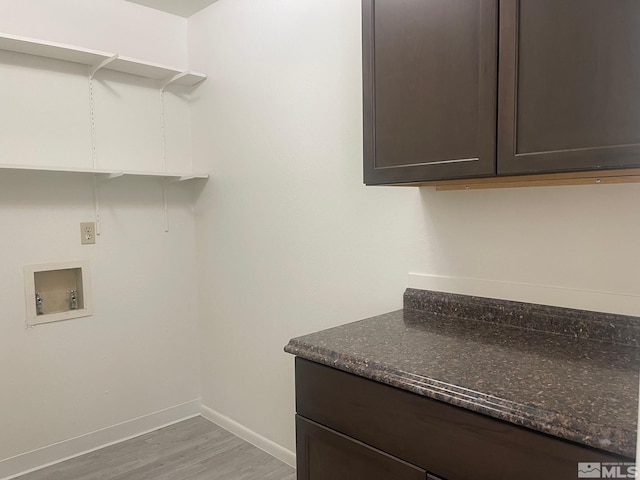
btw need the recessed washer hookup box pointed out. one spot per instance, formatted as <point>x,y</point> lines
<point>57,291</point>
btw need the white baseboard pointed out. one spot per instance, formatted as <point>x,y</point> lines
<point>624,304</point>
<point>272,448</point>
<point>74,447</point>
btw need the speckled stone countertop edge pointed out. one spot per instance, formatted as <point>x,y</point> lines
<point>596,326</point>
<point>551,423</point>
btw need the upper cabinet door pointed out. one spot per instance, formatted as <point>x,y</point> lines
<point>569,85</point>
<point>430,82</point>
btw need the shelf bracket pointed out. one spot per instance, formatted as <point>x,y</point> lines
<point>93,70</point>
<point>111,176</point>
<point>181,179</point>
<point>96,202</point>
<point>105,176</point>
<point>199,82</point>
<point>166,204</point>
<point>165,181</point>
<point>168,81</point>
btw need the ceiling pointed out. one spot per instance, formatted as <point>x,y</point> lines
<point>183,8</point>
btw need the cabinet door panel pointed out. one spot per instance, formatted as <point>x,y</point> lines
<point>569,96</point>
<point>452,442</point>
<point>430,76</point>
<point>327,455</point>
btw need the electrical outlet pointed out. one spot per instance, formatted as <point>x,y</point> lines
<point>88,233</point>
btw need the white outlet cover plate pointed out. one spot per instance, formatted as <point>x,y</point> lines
<point>87,233</point>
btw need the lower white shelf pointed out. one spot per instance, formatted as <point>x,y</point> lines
<point>176,176</point>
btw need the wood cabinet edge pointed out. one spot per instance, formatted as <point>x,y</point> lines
<point>603,177</point>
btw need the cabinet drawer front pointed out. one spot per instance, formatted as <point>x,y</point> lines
<point>327,455</point>
<point>451,442</point>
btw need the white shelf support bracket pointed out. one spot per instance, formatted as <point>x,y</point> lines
<point>99,178</point>
<point>199,81</point>
<point>96,202</point>
<point>168,81</point>
<point>111,176</point>
<point>166,204</point>
<point>184,178</point>
<point>103,177</point>
<point>93,70</point>
<point>92,119</point>
<point>163,138</point>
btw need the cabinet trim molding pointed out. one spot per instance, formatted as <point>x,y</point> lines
<point>602,177</point>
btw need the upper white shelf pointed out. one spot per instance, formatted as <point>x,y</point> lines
<point>93,58</point>
<point>107,173</point>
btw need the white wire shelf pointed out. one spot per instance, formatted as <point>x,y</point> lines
<point>107,173</point>
<point>94,58</point>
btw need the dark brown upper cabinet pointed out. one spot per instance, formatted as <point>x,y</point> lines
<point>569,85</point>
<point>565,97</point>
<point>430,82</point>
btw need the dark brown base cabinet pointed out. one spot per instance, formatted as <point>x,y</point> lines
<point>352,428</point>
<point>459,89</point>
<point>329,455</point>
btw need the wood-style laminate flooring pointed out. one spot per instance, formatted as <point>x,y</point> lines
<point>194,449</point>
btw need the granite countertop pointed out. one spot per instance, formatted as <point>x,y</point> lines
<point>567,373</point>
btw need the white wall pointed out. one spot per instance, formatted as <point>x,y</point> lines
<point>133,365</point>
<point>116,26</point>
<point>578,242</point>
<point>286,240</point>
<point>289,239</point>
